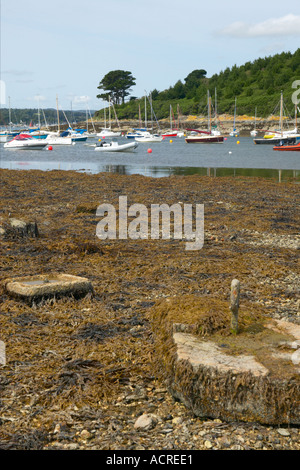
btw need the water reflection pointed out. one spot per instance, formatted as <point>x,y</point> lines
<point>154,171</point>
<point>280,175</point>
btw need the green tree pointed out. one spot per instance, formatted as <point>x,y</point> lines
<point>193,81</point>
<point>195,76</point>
<point>117,84</point>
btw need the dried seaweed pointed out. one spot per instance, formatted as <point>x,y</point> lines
<point>83,352</point>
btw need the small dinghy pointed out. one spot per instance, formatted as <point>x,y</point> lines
<point>115,146</point>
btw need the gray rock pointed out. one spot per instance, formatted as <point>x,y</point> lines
<point>145,422</point>
<point>283,432</point>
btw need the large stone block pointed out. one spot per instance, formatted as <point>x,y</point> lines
<point>41,287</point>
<point>252,376</point>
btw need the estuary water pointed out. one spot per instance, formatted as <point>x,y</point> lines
<point>235,156</point>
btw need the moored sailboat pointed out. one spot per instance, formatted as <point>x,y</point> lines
<point>205,137</point>
<point>234,132</point>
<point>254,132</point>
<point>280,137</point>
<point>58,138</point>
<point>107,131</point>
<point>171,132</point>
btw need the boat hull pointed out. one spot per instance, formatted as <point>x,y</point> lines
<point>26,145</point>
<point>291,140</point>
<point>291,148</point>
<point>211,139</point>
<point>79,139</point>
<point>170,134</point>
<point>115,147</point>
<point>148,139</point>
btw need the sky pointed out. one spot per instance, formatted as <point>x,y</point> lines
<point>64,48</point>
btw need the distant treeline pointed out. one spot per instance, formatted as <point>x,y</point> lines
<point>256,84</point>
<point>34,116</point>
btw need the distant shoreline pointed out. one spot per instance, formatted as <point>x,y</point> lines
<point>244,124</point>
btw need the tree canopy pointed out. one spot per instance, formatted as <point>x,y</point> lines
<point>116,84</point>
<point>256,85</point>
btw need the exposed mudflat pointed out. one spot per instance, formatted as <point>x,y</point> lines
<point>80,372</point>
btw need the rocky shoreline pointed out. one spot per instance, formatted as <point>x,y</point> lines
<point>244,124</point>
<point>80,373</point>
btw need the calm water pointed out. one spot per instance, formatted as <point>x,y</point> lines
<point>171,156</point>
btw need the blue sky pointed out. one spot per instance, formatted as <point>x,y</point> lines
<point>65,47</point>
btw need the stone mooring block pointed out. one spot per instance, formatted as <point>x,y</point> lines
<point>252,376</point>
<point>45,286</point>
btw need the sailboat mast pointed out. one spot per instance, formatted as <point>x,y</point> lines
<point>170,116</point>
<point>9,114</point>
<point>39,119</point>
<point>209,111</point>
<point>151,110</point>
<point>140,117</point>
<point>116,117</point>
<point>109,113</point>
<point>216,102</point>
<point>58,125</point>
<point>234,114</point>
<point>281,114</point>
<point>92,120</point>
<point>145,112</point>
<point>47,127</point>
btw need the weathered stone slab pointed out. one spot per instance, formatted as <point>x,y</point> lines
<point>251,375</point>
<point>237,387</point>
<point>38,287</point>
<point>207,354</point>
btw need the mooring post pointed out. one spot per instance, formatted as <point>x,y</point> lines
<point>234,304</point>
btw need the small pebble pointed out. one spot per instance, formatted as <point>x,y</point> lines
<point>283,432</point>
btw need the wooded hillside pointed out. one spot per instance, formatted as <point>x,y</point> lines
<point>256,84</point>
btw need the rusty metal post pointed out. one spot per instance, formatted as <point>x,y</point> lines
<point>234,304</point>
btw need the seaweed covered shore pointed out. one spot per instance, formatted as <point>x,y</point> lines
<point>81,373</point>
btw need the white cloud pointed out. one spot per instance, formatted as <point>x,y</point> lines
<point>39,98</point>
<point>16,72</point>
<point>288,25</point>
<point>81,99</point>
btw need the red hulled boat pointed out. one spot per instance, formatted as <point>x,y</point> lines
<point>292,147</point>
